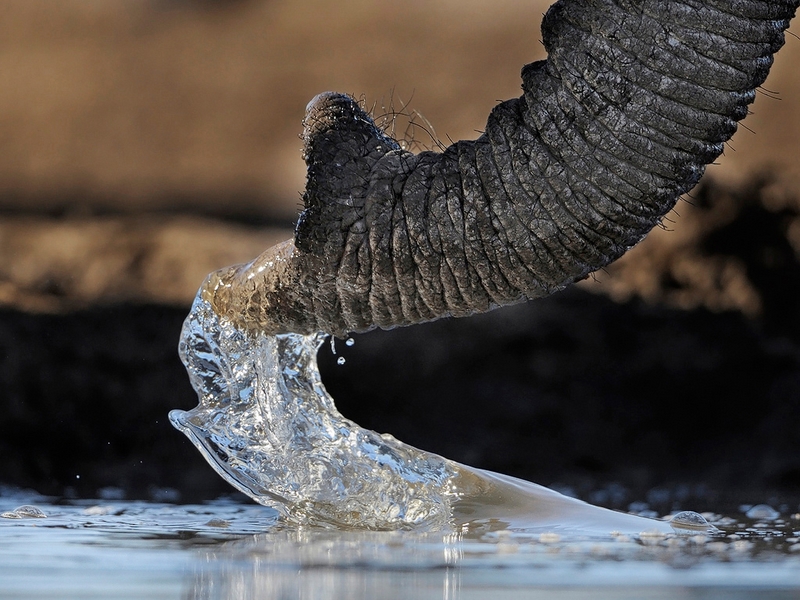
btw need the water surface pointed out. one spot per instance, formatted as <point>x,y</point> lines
<point>229,549</point>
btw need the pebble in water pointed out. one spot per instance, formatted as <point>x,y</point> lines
<point>100,510</point>
<point>762,511</point>
<point>652,537</point>
<point>221,523</point>
<point>24,512</point>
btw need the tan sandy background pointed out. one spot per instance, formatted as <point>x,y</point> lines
<point>109,108</point>
<point>187,102</point>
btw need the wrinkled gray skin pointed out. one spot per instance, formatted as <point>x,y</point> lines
<point>634,99</point>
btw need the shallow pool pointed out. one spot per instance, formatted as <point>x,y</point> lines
<point>228,549</point>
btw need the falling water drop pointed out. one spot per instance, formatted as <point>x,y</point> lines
<point>340,360</point>
<point>350,342</point>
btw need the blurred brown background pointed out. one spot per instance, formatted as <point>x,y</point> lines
<point>131,104</point>
<point>144,143</point>
<point>109,108</point>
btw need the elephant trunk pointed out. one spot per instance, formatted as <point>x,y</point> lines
<point>634,99</point>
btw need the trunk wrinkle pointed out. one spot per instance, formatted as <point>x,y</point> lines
<point>459,265</point>
<point>560,131</point>
<point>452,242</point>
<point>414,198</point>
<point>536,251</point>
<point>618,196</point>
<point>405,269</point>
<point>560,244</point>
<point>663,83</point>
<point>496,238</point>
<point>661,132</point>
<point>643,157</point>
<point>512,268</point>
<point>474,250</point>
<point>689,67</point>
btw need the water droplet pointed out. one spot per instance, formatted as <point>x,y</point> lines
<point>688,519</point>
<point>24,512</point>
<point>333,345</point>
<point>762,511</point>
<point>350,342</point>
<point>30,512</point>
<point>340,360</point>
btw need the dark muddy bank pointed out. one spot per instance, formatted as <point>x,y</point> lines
<point>576,390</point>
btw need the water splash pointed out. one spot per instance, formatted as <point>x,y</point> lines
<point>267,425</point>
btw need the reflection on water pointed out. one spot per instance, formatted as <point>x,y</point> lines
<point>224,549</point>
<point>402,565</point>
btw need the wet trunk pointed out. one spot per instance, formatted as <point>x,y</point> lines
<point>634,99</point>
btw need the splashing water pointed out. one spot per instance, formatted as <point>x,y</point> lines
<point>267,425</point>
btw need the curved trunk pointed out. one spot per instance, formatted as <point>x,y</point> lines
<point>634,99</point>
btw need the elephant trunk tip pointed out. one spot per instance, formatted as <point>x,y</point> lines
<point>332,112</point>
<point>322,110</point>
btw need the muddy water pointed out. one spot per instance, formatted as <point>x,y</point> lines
<point>227,549</point>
